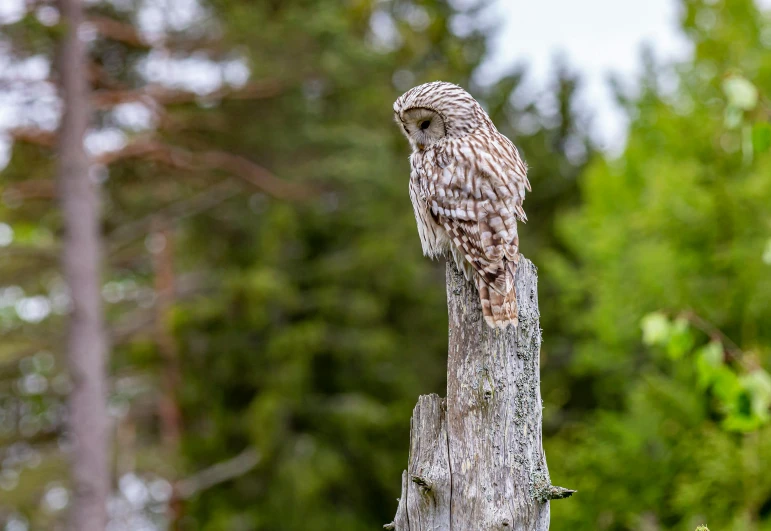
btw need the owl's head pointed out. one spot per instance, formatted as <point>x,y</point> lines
<point>434,111</point>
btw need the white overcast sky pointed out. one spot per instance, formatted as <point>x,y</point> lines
<point>596,37</point>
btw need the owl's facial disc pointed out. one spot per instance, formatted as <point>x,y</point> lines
<point>423,127</point>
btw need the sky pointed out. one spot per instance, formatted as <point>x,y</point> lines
<point>596,37</point>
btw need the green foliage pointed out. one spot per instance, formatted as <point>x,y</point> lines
<point>743,394</point>
<point>663,414</point>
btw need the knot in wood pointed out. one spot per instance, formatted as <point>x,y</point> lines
<point>422,482</point>
<point>487,390</point>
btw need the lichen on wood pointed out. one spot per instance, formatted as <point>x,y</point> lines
<point>476,458</point>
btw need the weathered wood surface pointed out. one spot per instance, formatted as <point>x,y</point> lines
<point>476,458</point>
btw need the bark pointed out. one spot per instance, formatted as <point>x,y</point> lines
<point>81,256</point>
<point>169,411</point>
<point>476,458</point>
<point>163,270</point>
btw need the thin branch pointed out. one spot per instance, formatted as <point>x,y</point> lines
<point>216,474</point>
<point>42,440</point>
<point>183,159</point>
<point>732,349</point>
<point>21,83</point>
<point>118,31</point>
<point>252,173</point>
<point>207,199</point>
<point>126,33</point>
<point>159,95</point>
<point>143,318</point>
<point>99,78</point>
<point>33,135</point>
<point>32,189</point>
<point>43,253</point>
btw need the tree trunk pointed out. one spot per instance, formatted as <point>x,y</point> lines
<point>168,406</point>
<point>86,344</point>
<point>476,458</point>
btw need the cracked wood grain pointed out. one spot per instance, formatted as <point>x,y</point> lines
<point>476,458</point>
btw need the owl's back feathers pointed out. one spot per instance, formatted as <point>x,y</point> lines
<point>467,191</point>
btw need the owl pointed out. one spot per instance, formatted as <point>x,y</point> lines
<point>467,184</point>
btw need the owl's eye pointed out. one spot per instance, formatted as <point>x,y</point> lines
<point>425,124</point>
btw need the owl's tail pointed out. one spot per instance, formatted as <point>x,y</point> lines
<point>499,310</point>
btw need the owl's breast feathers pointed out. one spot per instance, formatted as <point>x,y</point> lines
<point>433,238</point>
<point>467,194</point>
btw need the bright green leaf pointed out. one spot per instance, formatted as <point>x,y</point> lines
<point>741,92</point>
<point>727,388</point>
<point>681,339</point>
<point>758,385</point>
<point>656,329</point>
<point>708,359</point>
<point>741,423</point>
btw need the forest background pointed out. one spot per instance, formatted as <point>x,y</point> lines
<point>271,318</point>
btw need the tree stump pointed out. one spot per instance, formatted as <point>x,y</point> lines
<point>476,458</point>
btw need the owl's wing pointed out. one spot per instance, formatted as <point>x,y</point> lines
<point>476,192</point>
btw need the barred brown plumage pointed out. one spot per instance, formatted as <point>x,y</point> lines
<point>467,185</point>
